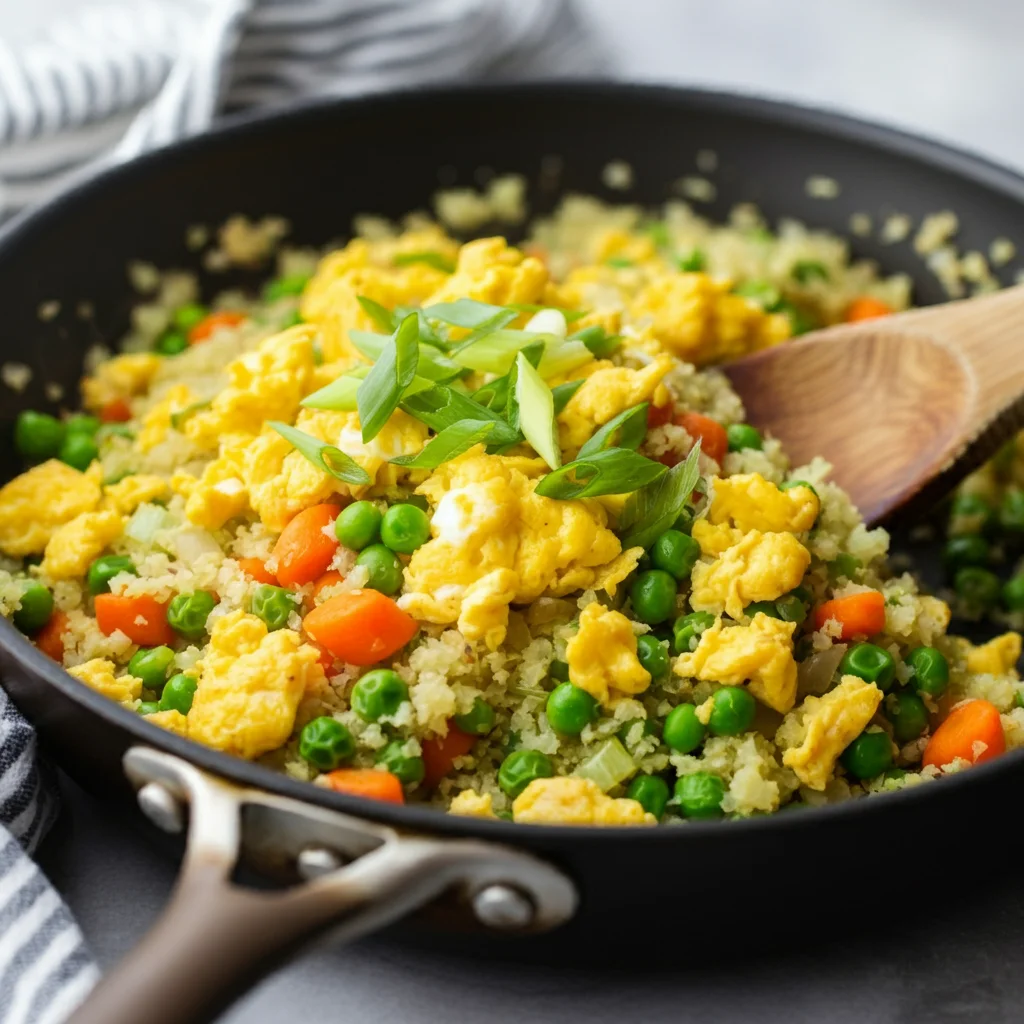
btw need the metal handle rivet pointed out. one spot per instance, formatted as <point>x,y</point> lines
<point>503,907</point>
<point>162,807</point>
<point>315,861</point>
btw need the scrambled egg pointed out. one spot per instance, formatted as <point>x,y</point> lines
<point>74,545</point>
<point>129,493</point>
<point>121,377</point>
<point>760,654</point>
<point>471,804</point>
<point>813,735</point>
<point>998,657</point>
<point>607,391</point>
<point>750,502</point>
<point>495,542</point>
<point>172,721</point>
<point>156,421</point>
<point>602,655</point>
<point>758,567</point>
<point>250,682</point>
<point>490,270</point>
<point>566,800</point>
<point>35,504</point>
<point>98,675</point>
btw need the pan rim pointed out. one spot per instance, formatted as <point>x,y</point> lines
<point>936,154</point>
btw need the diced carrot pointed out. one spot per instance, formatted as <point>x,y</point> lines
<point>367,782</point>
<point>866,308</point>
<point>326,659</point>
<point>972,731</point>
<point>360,627</point>
<point>439,752</point>
<point>860,614</point>
<point>142,618</point>
<point>116,410</point>
<point>212,323</point>
<point>254,568</point>
<point>329,579</point>
<point>304,551</point>
<point>711,433</point>
<point>50,638</point>
<point>659,415</point>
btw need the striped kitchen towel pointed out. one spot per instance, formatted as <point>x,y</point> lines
<point>122,78</point>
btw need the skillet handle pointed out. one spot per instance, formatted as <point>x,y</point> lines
<point>216,938</point>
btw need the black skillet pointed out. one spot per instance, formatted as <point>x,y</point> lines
<point>318,167</point>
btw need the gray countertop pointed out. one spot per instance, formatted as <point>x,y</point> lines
<point>943,67</point>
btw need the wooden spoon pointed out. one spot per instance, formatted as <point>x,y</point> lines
<point>904,406</point>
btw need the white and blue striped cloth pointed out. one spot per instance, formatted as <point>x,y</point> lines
<point>123,78</point>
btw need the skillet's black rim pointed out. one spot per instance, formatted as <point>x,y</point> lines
<point>937,155</point>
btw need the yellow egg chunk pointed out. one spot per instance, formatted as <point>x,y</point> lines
<point>567,800</point>
<point>129,493</point>
<point>602,655</point>
<point>98,675</point>
<point>488,518</point>
<point>760,567</point>
<point>471,804</point>
<point>606,392</point>
<point>697,318</point>
<point>490,270</point>
<point>34,505</point>
<point>172,721</point>
<point>74,545</point>
<point>760,655</point>
<point>250,683</point>
<point>121,377</point>
<point>156,422</point>
<point>219,494</point>
<point>815,733</point>
<point>750,502</point>
<point>998,657</point>
<point>715,540</point>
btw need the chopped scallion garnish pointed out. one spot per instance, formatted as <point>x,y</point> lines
<point>330,459</point>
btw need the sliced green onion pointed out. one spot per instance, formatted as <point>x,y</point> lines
<point>146,522</point>
<point>609,765</point>
<point>441,406</point>
<point>499,392</point>
<point>650,511</point>
<point>431,259</point>
<point>178,419</point>
<point>326,457</point>
<point>599,342</point>
<point>382,388</point>
<point>571,315</point>
<point>561,393</point>
<point>612,471</point>
<point>627,430</point>
<point>380,315</point>
<point>619,262</point>
<point>536,412</point>
<point>432,364</point>
<point>449,444</point>
<point>340,394</point>
<point>466,313</point>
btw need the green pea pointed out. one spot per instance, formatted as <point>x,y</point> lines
<point>687,630</point>
<point>675,553</point>
<point>326,743</point>
<point>793,607</point>
<point>35,607</point>
<point>104,569</point>
<point>653,655</point>
<point>929,671</point>
<point>732,711</point>
<point>1013,593</point>
<point>654,596</point>
<point>806,271</point>
<point>186,317</point>
<point>358,525</point>
<point>977,588</point>
<point>743,435</point>
<point>651,792</point>
<point>272,604</point>
<point>408,770</point>
<point>378,694</point>
<point>520,768</point>
<point>404,528</point>
<point>82,423</point>
<point>788,485</point>
<point>178,693</point>
<point>79,451</point>
<point>478,720</point>
<point>558,670</point>
<point>968,549</point>
<point>870,663</point>
<point>384,568</point>
<point>868,755</point>
<point>969,513</point>
<point>692,262</point>
<point>37,435</point>
<point>150,664</point>
<point>683,730</point>
<point>290,284</point>
<point>187,613</point>
<point>171,343</point>
<point>1018,699</point>
<point>907,713</point>
<point>571,709</point>
<point>843,566</point>
<point>762,608</point>
<point>700,795</point>
<point>149,707</point>
<point>1011,511</point>
<point>800,320</point>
